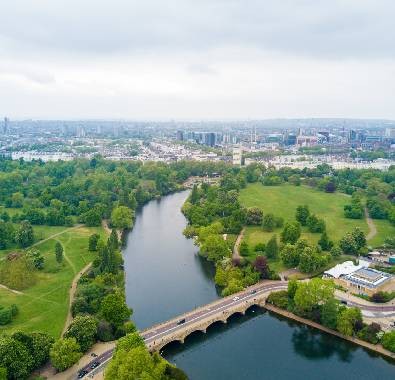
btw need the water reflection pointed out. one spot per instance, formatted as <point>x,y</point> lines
<point>313,344</point>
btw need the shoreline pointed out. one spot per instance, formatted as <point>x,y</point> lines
<point>379,349</point>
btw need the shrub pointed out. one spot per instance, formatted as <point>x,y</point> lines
<point>279,299</point>
<point>370,333</point>
<point>64,353</point>
<point>388,341</point>
<point>84,330</point>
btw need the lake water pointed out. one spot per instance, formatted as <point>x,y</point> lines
<point>165,277</point>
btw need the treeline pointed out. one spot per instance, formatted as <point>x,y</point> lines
<point>84,191</point>
<point>315,300</point>
<point>375,187</point>
<point>214,212</point>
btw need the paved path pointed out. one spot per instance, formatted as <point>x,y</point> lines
<point>236,248</point>
<point>372,227</point>
<point>10,290</point>
<point>73,289</point>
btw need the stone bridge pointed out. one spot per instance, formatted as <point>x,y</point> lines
<point>177,329</point>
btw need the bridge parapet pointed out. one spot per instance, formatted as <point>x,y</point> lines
<point>200,320</point>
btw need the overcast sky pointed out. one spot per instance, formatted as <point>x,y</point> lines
<point>197,59</point>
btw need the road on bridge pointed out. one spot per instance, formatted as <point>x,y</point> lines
<point>153,334</point>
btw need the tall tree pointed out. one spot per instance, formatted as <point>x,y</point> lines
<point>59,252</point>
<point>271,249</point>
<point>291,232</point>
<point>261,266</point>
<point>24,235</point>
<point>302,213</point>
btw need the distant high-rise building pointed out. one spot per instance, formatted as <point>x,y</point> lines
<point>180,135</point>
<point>81,132</point>
<point>237,155</point>
<point>290,139</point>
<point>390,133</point>
<point>325,135</point>
<point>6,126</point>
<point>352,136</point>
<point>210,138</point>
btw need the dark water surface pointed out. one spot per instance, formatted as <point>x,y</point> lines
<point>166,277</point>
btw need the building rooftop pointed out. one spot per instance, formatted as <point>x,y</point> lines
<point>368,277</point>
<point>345,268</point>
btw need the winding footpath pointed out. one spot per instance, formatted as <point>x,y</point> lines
<point>73,289</point>
<point>372,227</point>
<point>236,249</point>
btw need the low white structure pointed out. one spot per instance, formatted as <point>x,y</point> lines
<point>344,269</point>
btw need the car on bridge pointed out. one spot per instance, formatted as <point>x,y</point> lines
<point>181,321</point>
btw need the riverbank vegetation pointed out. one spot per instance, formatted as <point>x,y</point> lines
<point>291,218</point>
<point>42,249</point>
<point>132,360</point>
<point>315,300</point>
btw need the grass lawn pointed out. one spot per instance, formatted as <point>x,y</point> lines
<point>44,306</point>
<point>283,200</point>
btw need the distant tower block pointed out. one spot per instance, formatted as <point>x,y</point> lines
<point>237,155</point>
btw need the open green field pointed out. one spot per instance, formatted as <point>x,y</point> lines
<point>44,306</point>
<point>283,200</point>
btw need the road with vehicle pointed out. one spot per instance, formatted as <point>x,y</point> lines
<point>182,322</point>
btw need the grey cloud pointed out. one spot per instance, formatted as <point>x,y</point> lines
<point>38,76</point>
<point>321,28</point>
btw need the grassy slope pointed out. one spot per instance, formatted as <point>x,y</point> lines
<point>283,200</point>
<point>44,306</point>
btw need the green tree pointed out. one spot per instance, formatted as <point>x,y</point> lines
<point>64,353</point>
<point>336,251</point>
<point>348,319</point>
<point>24,235</point>
<point>388,341</point>
<point>330,310</point>
<point>122,217</point>
<point>315,224</point>
<point>271,249</point>
<point>37,344</point>
<point>348,245</point>
<point>84,329</point>
<point>289,255</point>
<point>243,249</point>
<point>359,238</point>
<point>17,200</point>
<point>35,257</point>
<point>194,198</point>
<point>214,248</point>
<point>114,309</point>
<point>15,358</point>
<point>302,213</point>
<point>136,363</point>
<point>292,287</point>
<point>113,242</point>
<point>59,252</point>
<point>92,218</point>
<point>269,222</point>
<point>129,342</point>
<point>254,216</point>
<point>311,294</point>
<point>93,240</point>
<point>324,242</point>
<point>3,373</point>
<point>291,232</point>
